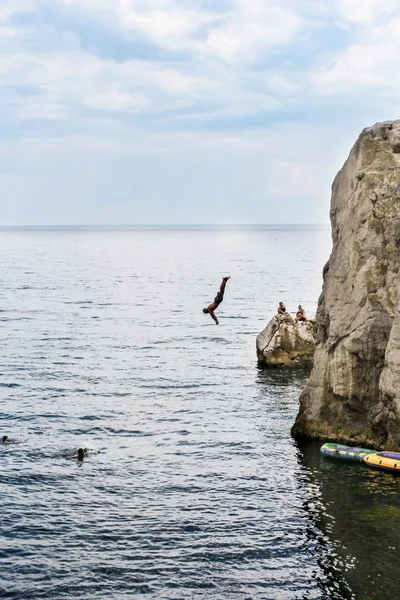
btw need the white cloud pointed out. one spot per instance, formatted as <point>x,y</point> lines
<point>253,26</point>
<point>71,79</point>
<point>170,79</point>
<point>167,28</point>
<point>4,13</point>
<point>369,63</point>
<point>114,99</point>
<point>366,11</point>
<point>360,66</point>
<point>75,79</point>
<point>175,83</point>
<point>165,23</point>
<point>236,31</point>
<point>43,111</point>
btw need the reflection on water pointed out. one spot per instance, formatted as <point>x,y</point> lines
<point>358,511</point>
<point>282,387</point>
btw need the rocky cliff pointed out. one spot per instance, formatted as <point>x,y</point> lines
<point>354,390</point>
<point>284,343</point>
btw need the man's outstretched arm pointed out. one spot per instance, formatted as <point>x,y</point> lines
<point>211,312</point>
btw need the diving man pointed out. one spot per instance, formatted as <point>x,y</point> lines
<point>217,301</point>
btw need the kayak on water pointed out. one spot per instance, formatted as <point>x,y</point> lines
<point>345,452</point>
<point>386,461</point>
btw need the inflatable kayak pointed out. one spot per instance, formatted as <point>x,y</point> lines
<point>345,452</point>
<point>387,461</point>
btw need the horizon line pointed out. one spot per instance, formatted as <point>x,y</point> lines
<point>143,225</point>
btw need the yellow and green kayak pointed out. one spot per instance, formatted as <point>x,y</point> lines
<point>345,452</point>
<point>386,461</point>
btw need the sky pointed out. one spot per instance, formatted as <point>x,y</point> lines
<point>184,111</point>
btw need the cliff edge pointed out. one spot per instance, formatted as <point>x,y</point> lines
<point>353,393</point>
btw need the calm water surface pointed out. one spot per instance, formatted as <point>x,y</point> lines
<point>198,491</point>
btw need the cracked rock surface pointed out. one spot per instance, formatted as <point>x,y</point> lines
<point>285,343</point>
<point>353,394</point>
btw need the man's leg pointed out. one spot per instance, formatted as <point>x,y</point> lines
<point>223,284</point>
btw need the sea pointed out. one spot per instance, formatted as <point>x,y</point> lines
<point>193,487</point>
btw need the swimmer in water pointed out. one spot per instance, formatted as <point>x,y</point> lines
<point>81,454</point>
<point>5,439</point>
<point>217,301</point>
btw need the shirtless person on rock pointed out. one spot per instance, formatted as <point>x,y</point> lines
<point>217,301</point>
<point>301,314</point>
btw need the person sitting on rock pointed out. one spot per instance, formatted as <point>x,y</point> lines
<point>301,315</point>
<point>281,309</point>
<point>217,301</point>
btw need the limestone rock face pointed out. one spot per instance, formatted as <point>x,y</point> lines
<point>354,390</point>
<point>285,343</point>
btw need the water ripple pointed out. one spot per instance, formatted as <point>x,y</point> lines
<point>192,487</point>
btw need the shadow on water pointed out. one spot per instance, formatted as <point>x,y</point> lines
<point>352,512</point>
<point>357,511</point>
<point>282,387</point>
<point>281,377</point>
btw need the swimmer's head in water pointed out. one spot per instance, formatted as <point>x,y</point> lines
<point>205,311</point>
<point>5,438</point>
<point>81,453</point>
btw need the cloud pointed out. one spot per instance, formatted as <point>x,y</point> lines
<point>166,23</point>
<point>362,65</point>
<point>253,27</point>
<point>114,99</point>
<point>168,27</point>
<point>366,11</point>
<point>369,63</point>
<point>70,78</point>
<point>160,94</point>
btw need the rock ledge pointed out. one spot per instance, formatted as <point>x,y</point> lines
<point>285,343</point>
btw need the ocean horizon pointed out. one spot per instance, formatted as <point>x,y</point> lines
<point>150,226</point>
